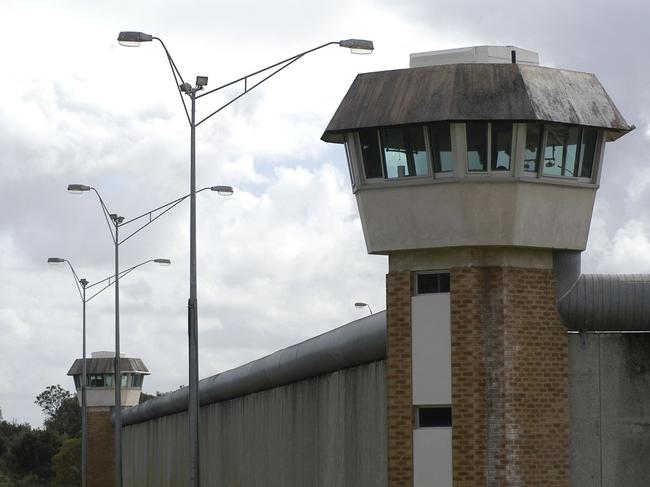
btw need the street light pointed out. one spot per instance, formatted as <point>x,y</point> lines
<point>363,305</point>
<point>115,222</point>
<point>82,286</point>
<point>133,39</point>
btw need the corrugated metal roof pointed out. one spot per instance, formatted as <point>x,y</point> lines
<point>458,92</point>
<point>105,366</point>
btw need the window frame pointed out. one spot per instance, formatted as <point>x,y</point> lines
<point>382,154</point>
<point>595,163</point>
<point>419,407</point>
<point>488,162</point>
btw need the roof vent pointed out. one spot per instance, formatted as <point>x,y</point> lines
<point>476,54</point>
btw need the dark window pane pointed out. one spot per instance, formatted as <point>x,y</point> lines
<point>432,282</point>
<point>440,136</point>
<point>404,152</point>
<point>434,417</point>
<point>476,133</point>
<point>587,151</point>
<point>77,382</point>
<point>349,158</point>
<point>370,153</point>
<point>560,152</point>
<point>501,146</point>
<point>533,142</point>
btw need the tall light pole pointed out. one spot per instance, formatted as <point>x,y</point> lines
<point>134,39</point>
<point>82,285</point>
<point>115,222</point>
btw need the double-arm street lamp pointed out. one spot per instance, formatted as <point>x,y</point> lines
<point>134,39</point>
<point>115,222</point>
<point>83,285</point>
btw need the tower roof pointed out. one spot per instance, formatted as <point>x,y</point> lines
<point>459,92</point>
<point>104,365</point>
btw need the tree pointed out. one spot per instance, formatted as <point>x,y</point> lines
<point>66,464</point>
<point>67,418</point>
<point>62,410</point>
<point>32,452</point>
<point>51,399</point>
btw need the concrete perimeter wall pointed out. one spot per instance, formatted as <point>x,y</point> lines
<point>327,431</point>
<point>610,410</point>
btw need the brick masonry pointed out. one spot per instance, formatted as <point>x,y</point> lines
<point>101,441</point>
<point>509,379</point>
<point>398,379</point>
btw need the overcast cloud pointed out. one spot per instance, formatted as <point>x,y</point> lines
<point>284,258</point>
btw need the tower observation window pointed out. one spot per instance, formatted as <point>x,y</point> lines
<point>370,153</point>
<point>569,151</point>
<point>440,137</point>
<point>404,152</point>
<point>477,143</point>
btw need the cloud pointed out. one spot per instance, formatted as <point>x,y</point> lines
<point>283,259</point>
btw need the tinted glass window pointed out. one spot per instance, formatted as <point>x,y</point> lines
<point>125,380</point>
<point>404,152</point>
<point>440,136</point>
<point>432,282</point>
<point>434,417</point>
<point>561,151</point>
<point>501,146</point>
<point>370,153</point>
<point>533,143</point>
<point>349,157</point>
<point>476,133</point>
<point>108,380</point>
<point>587,152</point>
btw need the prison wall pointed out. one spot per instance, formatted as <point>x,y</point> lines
<point>328,431</point>
<point>610,412</point>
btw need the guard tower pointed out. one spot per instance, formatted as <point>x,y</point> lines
<point>100,400</point>
<point>469,169</point>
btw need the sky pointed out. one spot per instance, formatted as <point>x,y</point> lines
<point>283,259</point>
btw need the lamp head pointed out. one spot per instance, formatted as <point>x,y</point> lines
<point>201,81</point>
<point>360,305</point>
<point>222,190</point>
<point>55,260</point>
<point>78,188</point>
<point>163,261</point>
<point>133,39</point>
<point>185,87</point>
<point>358,46</point>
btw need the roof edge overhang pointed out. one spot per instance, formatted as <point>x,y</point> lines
<point>467,92</point>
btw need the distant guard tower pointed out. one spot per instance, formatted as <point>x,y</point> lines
<point>470,169</point>
<point>100,399</point>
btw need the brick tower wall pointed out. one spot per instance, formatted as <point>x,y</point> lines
<point>509,379</point>
<point>398,379</point>
<point>101,441</point>
<point>509,355</point>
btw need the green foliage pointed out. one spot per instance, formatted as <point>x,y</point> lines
<point>67,464</point>
<point>32,452</point>
<point>145,397</point>
<point>51,399</point>
<point>34,457</point>
<point>66,420</point>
